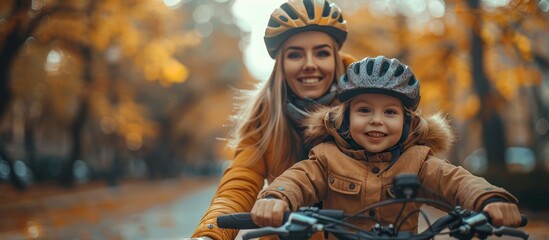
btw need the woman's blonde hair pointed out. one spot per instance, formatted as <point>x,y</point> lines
<point>261,120</point>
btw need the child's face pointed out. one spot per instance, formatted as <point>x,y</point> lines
<point>309,63</point>
<point>376,121</point>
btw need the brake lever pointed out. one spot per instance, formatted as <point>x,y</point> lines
<point>264,231</point>
<point>507,231</point>
<point>481,225</point>
<point>301,223</point>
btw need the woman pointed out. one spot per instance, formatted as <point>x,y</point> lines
<point>304,38</point>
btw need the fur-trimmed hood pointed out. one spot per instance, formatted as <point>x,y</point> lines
<point>433,131</point>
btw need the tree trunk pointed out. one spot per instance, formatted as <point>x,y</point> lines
<point>540,139</point>
<point>77,127</point>
<point>493,135</point>
<point>12,43</point>
<point>30,145</point>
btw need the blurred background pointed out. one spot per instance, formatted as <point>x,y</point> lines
<point>135,95</point>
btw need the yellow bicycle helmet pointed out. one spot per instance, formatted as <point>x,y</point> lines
<point>297,16</point>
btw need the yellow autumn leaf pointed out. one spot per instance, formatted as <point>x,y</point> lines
<point>174,72</point>
<point>469,108</point>
<point>151,72</point>
<point>528,76</point>
<point>462,74</point>
<point>523,45</point>
<point>506,83</point>
<point>134,141</point>
<point>130,41</point>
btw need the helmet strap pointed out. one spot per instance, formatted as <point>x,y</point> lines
<point>406,127</point>
<point>344,131</point>
<point>398,148</point>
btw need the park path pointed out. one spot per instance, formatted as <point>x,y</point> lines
<point>167,209</point>
<point>143,209</point>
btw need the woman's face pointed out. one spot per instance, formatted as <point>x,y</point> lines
<point>376,121</point>
<point>309,63</point>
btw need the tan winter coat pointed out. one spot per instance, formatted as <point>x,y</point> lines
<point>349,180</point>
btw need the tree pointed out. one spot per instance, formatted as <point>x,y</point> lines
<point>87,29</point>
<point>472,59</point>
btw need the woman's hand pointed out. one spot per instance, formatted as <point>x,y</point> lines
<point>503,214</point>
<point>269,212</point>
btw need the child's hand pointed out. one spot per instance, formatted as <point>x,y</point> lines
<point>269,212</point>
<point>503,214</point>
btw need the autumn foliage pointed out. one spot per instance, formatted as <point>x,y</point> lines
<point>120,84</point>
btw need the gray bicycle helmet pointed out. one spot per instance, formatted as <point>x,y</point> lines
<point>296,16</point>
<point>380,75</point>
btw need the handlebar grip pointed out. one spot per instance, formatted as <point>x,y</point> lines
<point>242,220</point>
<point>236,221</point>
<point>523,219</point>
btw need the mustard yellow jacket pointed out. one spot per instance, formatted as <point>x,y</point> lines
<point>237,192</point>
<point>240,184</point>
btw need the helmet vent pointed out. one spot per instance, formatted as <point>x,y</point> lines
<point>284,19</point>
<point>334,15</point>
<point>326,9</point>
<point>399,71</point>
<point>273,23</point>
<point>356,68</point>
<point>310,9</point>
<point>370,67</point>
<point>340,18</point>
<point>384,68</point>
<point>412,81</point>
<point>288,9</point>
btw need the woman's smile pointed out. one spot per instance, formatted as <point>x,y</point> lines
<point>309,80</point>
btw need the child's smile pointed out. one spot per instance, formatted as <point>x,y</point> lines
<point>376,121</point>
<point>376,134</point>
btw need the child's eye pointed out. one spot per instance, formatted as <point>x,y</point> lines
<point>391,112</point>
<point>364,110</point>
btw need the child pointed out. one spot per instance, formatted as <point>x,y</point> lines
<point>372,136</point>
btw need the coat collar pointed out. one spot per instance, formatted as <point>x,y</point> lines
<point>364,155</point>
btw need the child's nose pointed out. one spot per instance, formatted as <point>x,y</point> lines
<point>376,119</point>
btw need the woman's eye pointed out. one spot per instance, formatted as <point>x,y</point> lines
<point>323,53</point>
<point>293,55</point>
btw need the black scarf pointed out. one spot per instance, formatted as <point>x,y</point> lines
<point>298,109</point>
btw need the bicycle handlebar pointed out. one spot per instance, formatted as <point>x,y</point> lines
<point>243,220</point>
<point>238,221</point>
<point>462,223</point>
<point>307,221</point>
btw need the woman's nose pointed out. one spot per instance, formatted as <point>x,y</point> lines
<point>310,64</point>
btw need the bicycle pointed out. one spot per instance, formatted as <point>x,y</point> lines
<point>461,223</point>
